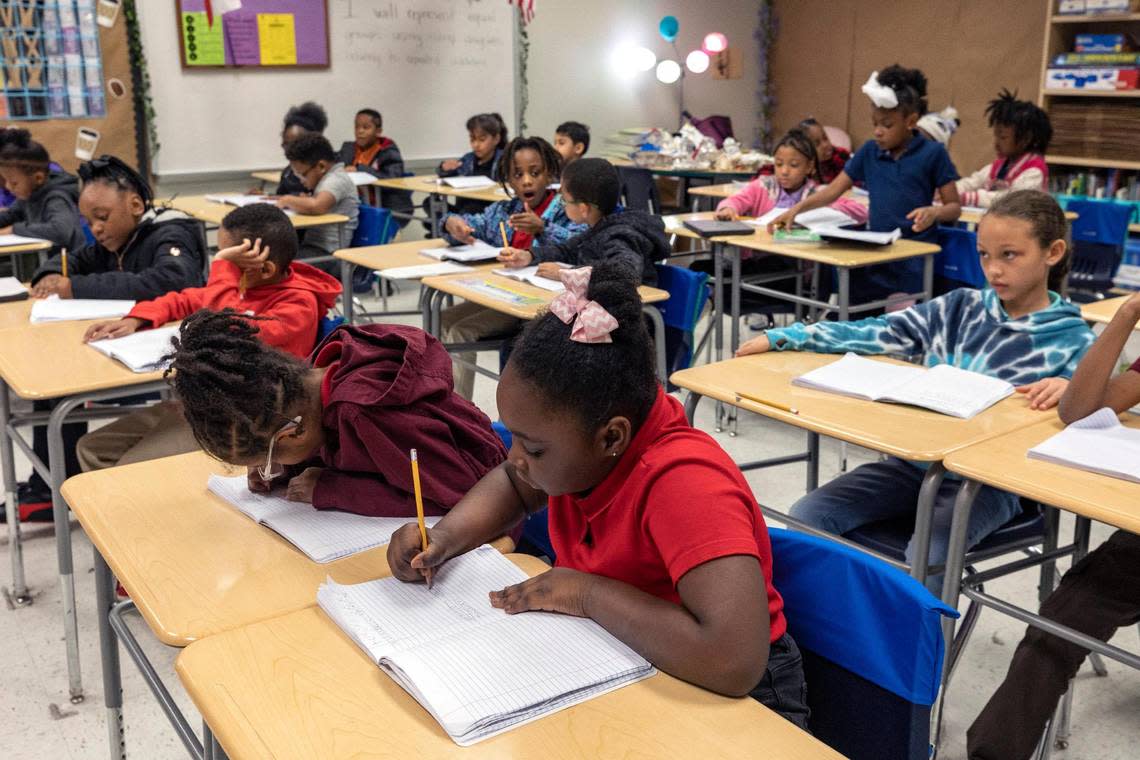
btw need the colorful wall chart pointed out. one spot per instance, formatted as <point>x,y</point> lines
<point>259,33</point>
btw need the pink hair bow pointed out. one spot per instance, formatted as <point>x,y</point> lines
<point>592,323</point>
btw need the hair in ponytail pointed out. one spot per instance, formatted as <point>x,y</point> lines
<point>1047,222</point>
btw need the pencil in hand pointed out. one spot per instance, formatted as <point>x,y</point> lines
<point>420,509</point>
<point>503,232</point>
<point>63,258</point>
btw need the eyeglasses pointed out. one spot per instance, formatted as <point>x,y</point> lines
<point>268,471</point>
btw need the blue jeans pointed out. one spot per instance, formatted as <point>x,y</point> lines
<point>889,489</point>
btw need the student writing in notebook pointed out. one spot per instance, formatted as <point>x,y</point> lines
<point>1018,329</point>
<point>331,190</point>
<point>1100,594</point>
<point>598,443</point>
<point>45,200</point>
<point>253,273</point>
<point>534,217</point>
<point>590,193</point>
<point>334,431</point>
<point>487,134</point>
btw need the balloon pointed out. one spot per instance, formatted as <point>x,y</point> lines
<point>715,42</point>
<point>668,71</point>
<point>669,27</point>
<point>697,61</point>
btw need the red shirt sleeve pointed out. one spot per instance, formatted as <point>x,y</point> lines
<point>291,323</point>
<point>695,513</point>
<point>1135,366</point>
<point>177,304</point>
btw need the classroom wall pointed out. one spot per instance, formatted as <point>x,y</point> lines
<point>571,76</point>
<point>968,49</point>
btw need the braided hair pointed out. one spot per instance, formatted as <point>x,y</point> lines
<point>1030,124</point>
<point>492,124</point>
<point>20,150</point>
<point>233,387</point>
<point>112,171</point>
<point>909,86</point>
<point>797,139</point>
<point>551,158</point>
<point>594,381</point>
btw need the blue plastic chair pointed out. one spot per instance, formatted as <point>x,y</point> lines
<point>374,226</point>
<point>326,326</point>
<point>1098,234</point>
<point>88,235</point>
<point>535,538</point>
<point>871,639</point>
<point>688,293</point>
<point>957,265</point>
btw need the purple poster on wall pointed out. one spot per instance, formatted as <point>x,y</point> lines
<point>260,33</point>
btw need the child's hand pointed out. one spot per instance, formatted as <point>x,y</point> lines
<point>783,222</point>
<point>301,487</point>
<point>1044,394</point>
<point>727,214</point>
<point>758,345</point>
<point>247,255</point>
<point>1130,309</point>
<point>459,229</point>
<point>516,258</point>
<point>450,165</point>
<point>408,561</point>
<point>112,329</point>
<point>283,201</point>
<point>52,284</point>
<point>528,222</point>
<point>6,230</point>
<point>256,483</point>
<point>550,271</point>
<point>557,590</point>
<point>923,218</point>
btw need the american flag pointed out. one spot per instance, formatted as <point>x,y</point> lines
<point>526,8</point>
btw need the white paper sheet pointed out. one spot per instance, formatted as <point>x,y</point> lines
<point>56,309</point>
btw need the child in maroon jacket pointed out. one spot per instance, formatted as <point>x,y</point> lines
<point>340,427</point>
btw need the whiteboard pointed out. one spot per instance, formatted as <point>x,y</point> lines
<point>426,65</point>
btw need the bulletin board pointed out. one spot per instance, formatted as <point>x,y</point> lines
<point>261,33</point>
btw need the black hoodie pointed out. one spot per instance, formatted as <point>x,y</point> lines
<point>164,253</point>
<point>386,164</point>
<point>49,213</point>
<point>634,239</point>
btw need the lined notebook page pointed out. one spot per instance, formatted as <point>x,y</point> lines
<point>141,351</point>
<point>477,251</point>
<point>322,535</point>
<point>856,376</point>
<point>950,390</point>
<point>1098,443</point>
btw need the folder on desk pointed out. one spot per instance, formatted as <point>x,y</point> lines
<point>1098,443</point>
<point>142,351</point>
<point>477,251</point>
<point>56,309</point>
<point>712,228</point>
<point>476,669</point>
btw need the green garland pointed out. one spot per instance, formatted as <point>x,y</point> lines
<point>524,56</point>
<point>140,81</point>
<point>767,26</point>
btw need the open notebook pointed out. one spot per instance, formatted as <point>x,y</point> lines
<point>530,275</point>
<point>477,251</point>
<point>477,670</point>
<point>237,199</point>
<point>943,389</point>
<point>825,217</point>
<point>469,183</point>
<point>141,351</point>
<point>419,271</point>
<point>1098,443</point>
<point>323,535</point>
<point>56,309</point>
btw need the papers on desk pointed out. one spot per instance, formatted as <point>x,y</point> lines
<point>10,240</point>
<point>56,309</point>
<point>973,210</point>
<point>499,291</point>
<point>943,389</point>
<point>477,251</point>
<point>323,535</point>
<point>12,289</point>
<point>420,271</point>
<point>361,178</point>
<point>477,670</point>
<point>141,351</point>
<point>237,199</point>
<point>815,219</point>
<point>1098,443</point>
<point>530,275</point>
<point>469,183</point>
<point>864,237</point>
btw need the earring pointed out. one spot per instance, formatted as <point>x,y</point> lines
<point>614,454</point>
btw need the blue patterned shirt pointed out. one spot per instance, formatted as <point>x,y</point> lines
<point>558,227</point>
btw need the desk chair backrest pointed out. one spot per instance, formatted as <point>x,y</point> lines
<point>1099,233</point>
<point>374,226</point>
<point>957,264</point>
<point>326,326</point>
<point>535,538</point>
<point>688,294</point>
<point>872,644</point>
<point>639,189</point>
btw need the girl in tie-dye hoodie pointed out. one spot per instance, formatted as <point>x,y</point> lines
<point>1018,329</point>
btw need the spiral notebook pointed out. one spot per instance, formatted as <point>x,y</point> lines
<point>1098,443</point>
<point>477,670</point>
<point>323,535</point>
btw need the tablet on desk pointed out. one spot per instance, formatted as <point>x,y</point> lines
<point>713,228</point>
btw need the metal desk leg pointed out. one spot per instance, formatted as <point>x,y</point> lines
<point>813,461</point>
<point>658,321</point>
<point>57,465</point>
<point>735,300</point>
<point>718,298</point>
<point>435,201</point>
<point>923,519</point>
<point>928,278</point>
<point>109,657</point>
<point>955,560</point>
<point>20,593</point>
<point>844,294</point>
<point>691,402</point>
<point>346,270</point>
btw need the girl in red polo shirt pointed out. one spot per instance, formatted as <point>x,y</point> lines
<point>657,535</point>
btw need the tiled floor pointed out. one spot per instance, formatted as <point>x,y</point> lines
<point>37,721</point>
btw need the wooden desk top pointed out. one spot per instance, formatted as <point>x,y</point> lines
<point>903,431</point>
<point>454,284</point>
<point>39,245</point>
<point>194,565</point>
<point>1103,311</point>
<point>296,686</point>
<point>716,191</point>
<point>212,213</point>
<point>267,176</point>
<point>699,173</point>
<point>1002,462</point>
<point>430,183</point>
<point>16,314</point>
<point>835,254</point>
<point>49,360</point>
<point>405,254</point>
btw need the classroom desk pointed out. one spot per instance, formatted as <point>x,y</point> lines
<point>34,247</point>
<point>296,686</point>
<point>1103,311</point>
<point>907,432</point>
<point>15,313</point>
<point>212,213</point>
<point>437,191</point>
<point>194,566</point>
<point>532,301</point>
<point>272,177</point>
<point>73,376</point>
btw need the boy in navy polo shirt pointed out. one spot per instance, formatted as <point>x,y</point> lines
<point>901,170</point>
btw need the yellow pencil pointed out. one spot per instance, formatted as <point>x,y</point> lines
<point>765,402</point>
<point>419,501</point>
<point>503,232</point>
<point>64,263</point>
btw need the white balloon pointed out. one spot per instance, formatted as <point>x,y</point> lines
<point>668,71</point>
<point>643,58</point>
<point>697,61</point>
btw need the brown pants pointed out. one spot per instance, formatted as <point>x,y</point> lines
<point>150,433</point>
<point>1098,595</point>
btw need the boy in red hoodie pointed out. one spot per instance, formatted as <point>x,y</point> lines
<point>253,273</point>
<point>335,432</point>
